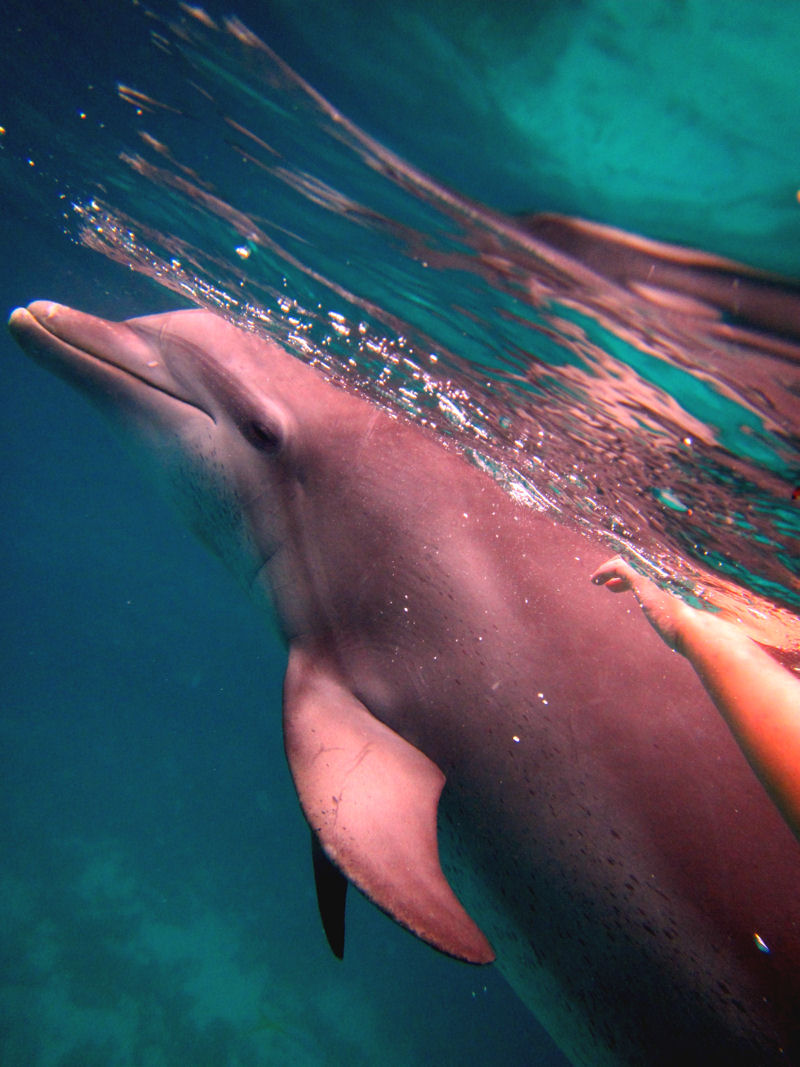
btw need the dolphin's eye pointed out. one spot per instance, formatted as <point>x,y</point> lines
<point>265,437</point>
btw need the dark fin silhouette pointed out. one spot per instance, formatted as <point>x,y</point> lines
<point>331,896</point>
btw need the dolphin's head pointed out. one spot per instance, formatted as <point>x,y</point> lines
<point>210,408</point>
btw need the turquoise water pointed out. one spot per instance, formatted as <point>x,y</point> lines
<point>370,189</point>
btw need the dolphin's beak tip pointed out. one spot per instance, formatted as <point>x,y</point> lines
<point>40,310</point>
<point>17,317</point>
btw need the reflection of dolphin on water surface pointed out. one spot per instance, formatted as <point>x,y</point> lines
<point>603,833</point>
<point>690,282</point>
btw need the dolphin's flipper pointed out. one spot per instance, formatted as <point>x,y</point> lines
<point>331,896</point>
<point>371,799</point>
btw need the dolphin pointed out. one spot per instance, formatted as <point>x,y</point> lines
<point>499,755</point>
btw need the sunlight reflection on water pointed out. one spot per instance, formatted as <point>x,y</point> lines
<point>645,391</point>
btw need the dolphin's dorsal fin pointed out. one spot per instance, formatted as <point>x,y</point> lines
<point>371,798</point>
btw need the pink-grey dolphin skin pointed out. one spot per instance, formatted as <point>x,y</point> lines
<point>601,832</point>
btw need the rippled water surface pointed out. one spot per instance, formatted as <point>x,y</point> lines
<point>646,390</point>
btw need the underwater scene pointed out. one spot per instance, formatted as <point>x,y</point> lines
<point>560,238</point>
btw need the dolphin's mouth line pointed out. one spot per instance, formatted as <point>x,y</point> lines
<point>139,378</point>
<point>81,353</point>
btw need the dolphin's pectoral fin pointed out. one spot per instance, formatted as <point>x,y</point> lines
<point>371,799</point>
<point>331,887</point>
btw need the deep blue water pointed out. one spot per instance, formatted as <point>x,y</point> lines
<point>158,906</point>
